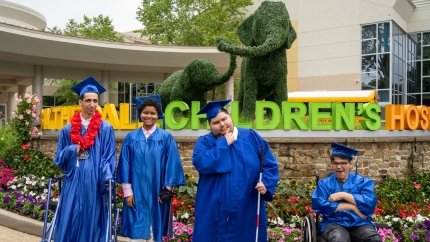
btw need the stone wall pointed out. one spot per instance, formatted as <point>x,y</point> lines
<point>301,157</point>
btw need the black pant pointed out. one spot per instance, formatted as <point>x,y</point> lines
<point>337,233</point>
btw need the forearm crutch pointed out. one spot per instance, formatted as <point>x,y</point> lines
<point>51,227</point>
<point>109,219</point>
<point>170,220</point>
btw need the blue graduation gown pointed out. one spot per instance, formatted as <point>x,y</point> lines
<point>226,202</point>
<point>148,165</point>
<point>361,188</point>
<point>83,213</point>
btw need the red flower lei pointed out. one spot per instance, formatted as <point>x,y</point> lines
<point>93,129</point>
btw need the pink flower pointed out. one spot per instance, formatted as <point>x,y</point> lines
<point>417,185</point>
<point>20,117</point>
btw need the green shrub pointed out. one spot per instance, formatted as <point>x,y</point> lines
<point>411,189</point>
<point>27,161</point>
<point>7,139</point>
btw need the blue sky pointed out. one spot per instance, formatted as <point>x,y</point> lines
<point>58,12</point>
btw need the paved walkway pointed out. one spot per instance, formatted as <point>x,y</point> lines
<point>10,235</point>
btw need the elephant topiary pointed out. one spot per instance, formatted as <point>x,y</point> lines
<point>266,34</point>
<point>191,83</point>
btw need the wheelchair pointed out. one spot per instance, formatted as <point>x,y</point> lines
<point>49,226</point>
<point>310,223</point>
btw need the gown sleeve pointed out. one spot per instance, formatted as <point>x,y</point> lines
<point>270,175</point>
<point>123,170</point>
<point>174,173</point>
<point>212,156</point>
<point>320,203</point>
<point>66,155</point>
<point>366,199</point>
<point>109,153</point>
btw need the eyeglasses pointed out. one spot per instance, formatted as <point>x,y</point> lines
<point>342,163</point>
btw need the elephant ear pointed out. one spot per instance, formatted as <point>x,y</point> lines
<point>244,31</point>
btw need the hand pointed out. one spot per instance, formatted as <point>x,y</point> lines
<point>261,188</point>
<point>78,147</point>
<point>335,197</point>
<point>357,211</point>
<point>165,195</point>
<point>130,201</point>
<point>229,137</point>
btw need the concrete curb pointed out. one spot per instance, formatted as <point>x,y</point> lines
<point>28,225</point>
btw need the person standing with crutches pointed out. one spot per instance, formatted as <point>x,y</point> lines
<point>228,162</point>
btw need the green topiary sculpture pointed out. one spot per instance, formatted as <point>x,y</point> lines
<point>191,83</point>
<point>266,34</point>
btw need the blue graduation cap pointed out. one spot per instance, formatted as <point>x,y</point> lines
<point>341,150</point>
<point>88,85</point>
<point>156,98</point>
<point>211,109</point>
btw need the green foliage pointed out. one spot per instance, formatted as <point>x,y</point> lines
<point>98,28</point>
<point>191,22</point>
<point>25,161</point>
<point>65,95</point>
<point>266,34</point>
<point>189,190</point>
<point>8,139</point>
<point>26,117</point>
<point>413,188</point>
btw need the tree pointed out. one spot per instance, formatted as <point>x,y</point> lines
<point>191,22</point>
<point>99,28</point>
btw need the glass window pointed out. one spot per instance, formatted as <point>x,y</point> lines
<point>426,38</point>
<point>384,37</point>
<point>397,98</point>
<point>368,47</point>
<point>384,96</point>
<point>426,99</point>
<point>368,81</point>
<point>368,63</point>
<point>383,71</point>
<point>368,31</point>
<point>419,47</point>
<point>426,68</point>
<point>426,84</point>
<point>413,83</point>
<point>414,99</point>
<point>48,101</point>
<point>426,52</point>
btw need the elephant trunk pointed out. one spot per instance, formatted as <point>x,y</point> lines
<point>274,41</point>
<point>224,77</point>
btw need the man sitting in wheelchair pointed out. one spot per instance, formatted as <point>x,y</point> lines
<point>346,201</point>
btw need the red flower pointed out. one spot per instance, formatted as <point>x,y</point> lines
<point>25,147</point>
<point>27,157</point>
<point>309,209</point>
<point>379,211</point>
<point>294,199</point>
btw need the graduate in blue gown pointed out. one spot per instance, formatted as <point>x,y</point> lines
<point>149,165</point>
<point>228,162</point>
<point>346,201</point>
<point>86,153</point>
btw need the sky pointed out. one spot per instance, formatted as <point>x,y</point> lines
<point>58,12</point>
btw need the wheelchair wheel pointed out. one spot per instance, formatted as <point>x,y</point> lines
<point>308,228</point>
